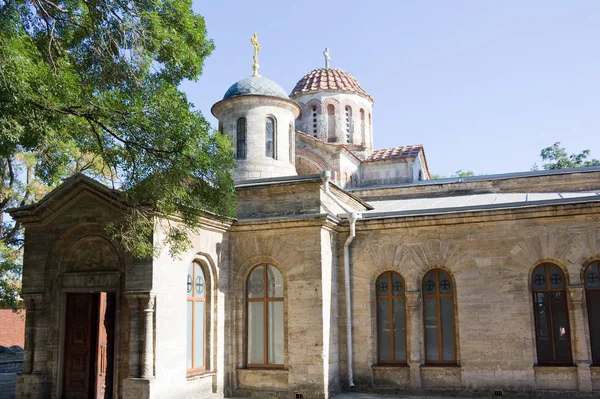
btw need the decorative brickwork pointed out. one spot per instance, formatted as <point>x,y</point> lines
<point>328,79</point>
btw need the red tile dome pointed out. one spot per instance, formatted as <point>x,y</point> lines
<point>328,79</point>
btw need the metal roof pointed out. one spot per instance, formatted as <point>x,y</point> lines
<point>475,202</point>
<point>501,176</point>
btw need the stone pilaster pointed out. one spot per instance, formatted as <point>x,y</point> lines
<point>141,334</point>
<point>415,328</point>
<point>581,353</point>
<point>134,329</point>
<point>30,320</point>
<point>148,327</point>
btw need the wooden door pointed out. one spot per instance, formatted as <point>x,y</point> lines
<point>79,358</point>
<point>105,345</point>
<point>89,346</point>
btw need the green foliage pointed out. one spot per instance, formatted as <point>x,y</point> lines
<point>458,173</point>
<point>559,159</point>
<point>10,276</point>
<point>91,86</point>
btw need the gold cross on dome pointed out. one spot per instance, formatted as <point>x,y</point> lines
<point>254,41</point>
<point>327,58</point>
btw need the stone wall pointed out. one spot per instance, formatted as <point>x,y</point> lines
<point>172,380</point>
<point>70,252</point>
<point>490,256</point>
<point>256,109</point>
<point>302,251</point>
<point>386,172</point>
<point>314,119</point>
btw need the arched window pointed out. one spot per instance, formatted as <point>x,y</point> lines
<point>314,124</point>
<point>265,317</point>
<point>197,289</point>
<point>331,123</point>
<point>438,318</point>
<point>391,319</point>
<point>551,317</point>
<point>362,126</point>
<point>241,138</point>
<point>270,138</point>
<point>292,143</point>
<point>591,276</point>
<point>349,124</point>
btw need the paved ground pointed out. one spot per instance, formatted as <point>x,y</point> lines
<point>7,391</point>
<point>374,396</point>
<point>7,386</point>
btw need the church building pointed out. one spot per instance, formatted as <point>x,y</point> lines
<point>346,268</point>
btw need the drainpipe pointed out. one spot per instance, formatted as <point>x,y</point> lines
<point>352,217</point>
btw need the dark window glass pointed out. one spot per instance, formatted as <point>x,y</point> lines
<point>241,138</point>
<point>270,138</point>
<point>438,318</point>
<point>391,320</point>
<point>591,277</point>
<point>551,315</point>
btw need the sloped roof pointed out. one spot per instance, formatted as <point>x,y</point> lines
<point>401,152</point>
<point>328,79</point>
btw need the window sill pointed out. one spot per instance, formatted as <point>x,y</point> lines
<point>197,375</point>
<point>278,369</point>
<point>554,366</point>
<point>441,365</point>
<point>390,366</point>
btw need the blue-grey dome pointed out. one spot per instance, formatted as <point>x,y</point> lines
<point>255,85</point>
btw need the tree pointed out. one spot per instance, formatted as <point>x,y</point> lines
<point>91,86</point>
<point>458,173</point>
<point>560,160</point>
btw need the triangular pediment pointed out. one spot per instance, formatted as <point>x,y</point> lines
<point>73,190</point>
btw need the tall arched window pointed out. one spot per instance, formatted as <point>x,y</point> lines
<point>331,123</point>
<point>241,138</point>
<point>551,315</point>
<point>314,124</point>
<point>292,143</point>
<point>438,318</point>
<point>362,126</point>
<point>270,138</point>
<point>265,331</point>
<point>349,124</point>
<point>591,276</point>
<point>391,319</point>
<point>197,289</point>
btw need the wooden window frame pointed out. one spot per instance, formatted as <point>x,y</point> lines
<point>390,298</point>
<point>437,295</point>
<point>274,120</point>
<point>238,153</point>
<point>265,300</point>
<point>194,300</point>
<point>547,291</point>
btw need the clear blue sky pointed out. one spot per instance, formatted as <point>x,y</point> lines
<point>484,85</point>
